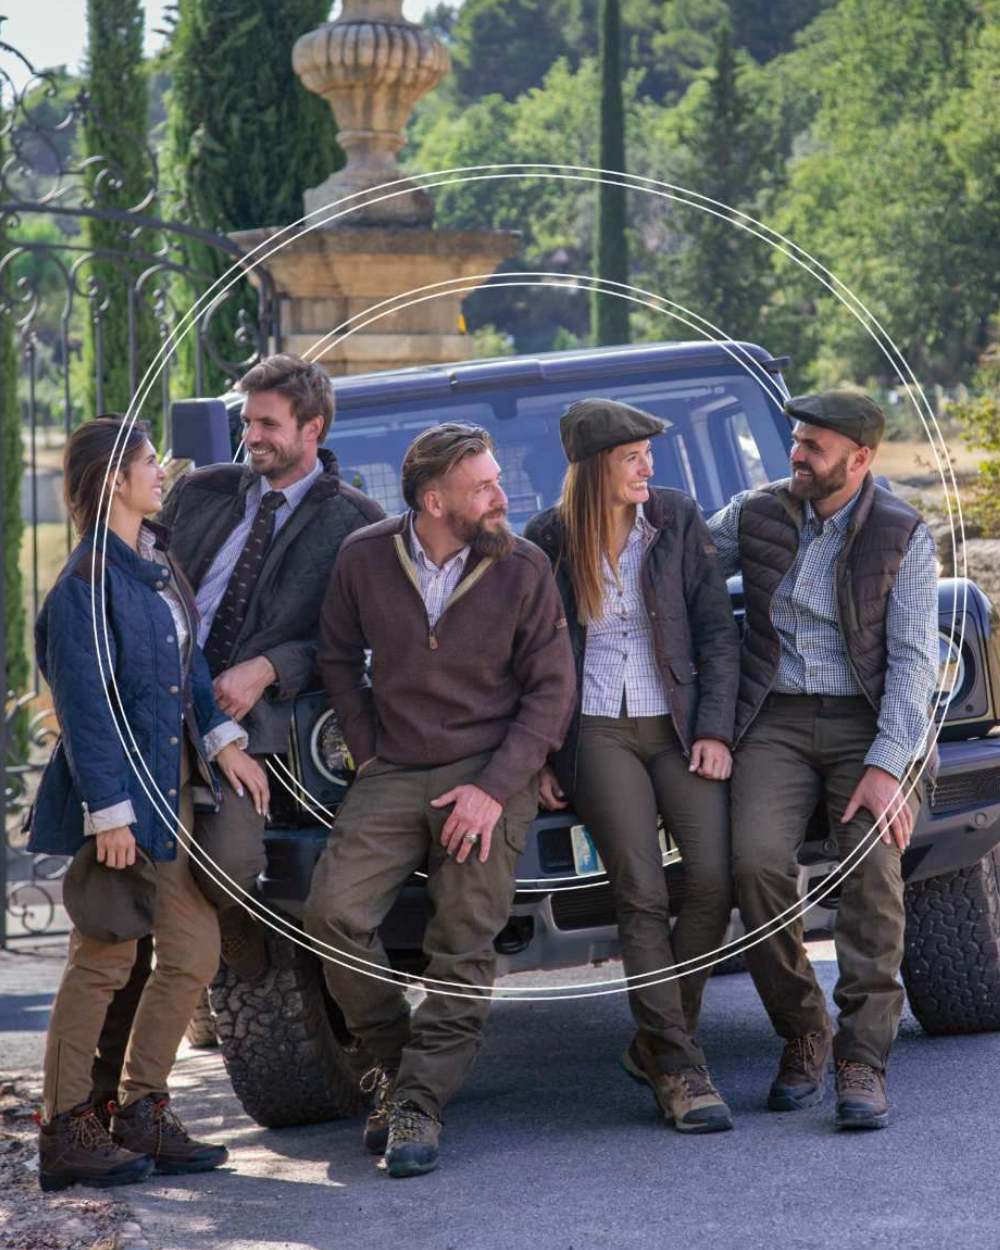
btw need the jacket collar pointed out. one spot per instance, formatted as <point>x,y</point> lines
<point>120,554</point>
<point>328,482</point>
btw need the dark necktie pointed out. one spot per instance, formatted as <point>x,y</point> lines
<point>232,609</point>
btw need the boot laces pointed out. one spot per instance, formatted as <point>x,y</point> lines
<point>90,1134</point>
<point>800,1053</point>
<point>408,1122</point>
<point>377,1081</point>
<point>858,1075</point>
<point>697,1082</point>
<point>168,1123</point>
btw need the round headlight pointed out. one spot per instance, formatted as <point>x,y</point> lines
<point>329,750</point>
<point>951,672</point>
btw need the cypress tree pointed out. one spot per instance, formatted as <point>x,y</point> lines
<point>609,313</point>
<point>245,137</point>
<point>115,130</point>
<point>723,272</point>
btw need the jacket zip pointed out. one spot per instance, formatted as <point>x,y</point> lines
<point>463,587</point>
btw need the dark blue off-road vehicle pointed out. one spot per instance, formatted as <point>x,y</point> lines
<point>282,1038</point>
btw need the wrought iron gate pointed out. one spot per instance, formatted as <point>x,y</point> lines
<point>74,248</point>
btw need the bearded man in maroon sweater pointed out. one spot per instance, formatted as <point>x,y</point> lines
<point>471,687</point>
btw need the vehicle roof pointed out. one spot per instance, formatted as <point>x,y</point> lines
<point>579,364</point>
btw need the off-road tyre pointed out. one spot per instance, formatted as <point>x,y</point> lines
<point>201,1033</point>
<point>951,965</point>
<point>279,1041</point>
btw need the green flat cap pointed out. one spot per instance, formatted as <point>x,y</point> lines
<point>592,425</point>
<point>110,904</point>
<point>847,412</point>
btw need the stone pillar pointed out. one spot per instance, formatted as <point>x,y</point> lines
<point>371,65</point>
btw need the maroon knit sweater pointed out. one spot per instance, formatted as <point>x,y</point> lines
<point>495,674</point>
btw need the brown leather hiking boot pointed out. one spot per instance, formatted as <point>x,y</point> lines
<point>74,1148</point>
<point>801,1079</point>
<point>861,1099</point>
<point>687,1098</point>
<point>244,948</point>
<point>377,1083</point>
<point>414,1136</point>
<point>150,1126</point>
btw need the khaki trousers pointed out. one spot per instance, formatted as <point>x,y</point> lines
<point>186,942</point>
<point>385,830</point>
<point>629,769</point>
<point>802,751</point>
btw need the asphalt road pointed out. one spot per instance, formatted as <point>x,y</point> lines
<point>550,1145</point>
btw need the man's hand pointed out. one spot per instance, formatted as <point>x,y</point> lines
<point>472,820</point>
<point>116,847</point>
<point>242,770</point>
<point>712,759</point>
<point>238,688</point>
<point>880,793</point>
<point>550,793</point>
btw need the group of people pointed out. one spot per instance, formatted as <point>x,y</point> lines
<point>475,674</point>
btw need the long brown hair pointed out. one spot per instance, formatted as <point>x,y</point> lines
<point>90,451</point>
<point>585,511</point>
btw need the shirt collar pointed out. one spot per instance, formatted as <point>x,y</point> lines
<point>421,557</point>
<point>294,494</point>
<point>839,520</point>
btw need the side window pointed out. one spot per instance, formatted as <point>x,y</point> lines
<point>379,481</point>
<point>746,450</point>
<point>524,497</point>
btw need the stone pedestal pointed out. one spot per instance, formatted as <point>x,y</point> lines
<point>371,65</point>
<point>327,276</point>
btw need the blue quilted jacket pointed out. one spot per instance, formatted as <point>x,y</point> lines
<point>130,746</point>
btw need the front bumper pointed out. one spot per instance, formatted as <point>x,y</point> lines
<point>560,919</point>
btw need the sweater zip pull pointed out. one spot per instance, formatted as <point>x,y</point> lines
<point>432,641</point>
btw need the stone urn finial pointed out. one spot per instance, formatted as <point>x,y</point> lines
<point>371,66</point>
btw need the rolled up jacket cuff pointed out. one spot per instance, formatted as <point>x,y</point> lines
<point>222,735</point>
<point>116,817</point>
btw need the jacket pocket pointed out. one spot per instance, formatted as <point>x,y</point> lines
<point>683,671</point>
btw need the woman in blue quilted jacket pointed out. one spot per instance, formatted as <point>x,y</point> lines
<point>115,640</point>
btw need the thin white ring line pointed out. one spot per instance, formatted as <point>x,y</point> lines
<point>178,334</point>
<point>599,883</point>
<point>551,885</point>
<point>675,966</point>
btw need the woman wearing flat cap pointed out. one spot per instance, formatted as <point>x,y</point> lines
<point>133,697</point>
<point>657,673</point>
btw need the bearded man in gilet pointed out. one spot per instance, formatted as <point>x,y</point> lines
<point>839,664</point>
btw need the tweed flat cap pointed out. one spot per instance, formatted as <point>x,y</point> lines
<point>846,412</point>
<point>110,904</point>
<point>592,425</point>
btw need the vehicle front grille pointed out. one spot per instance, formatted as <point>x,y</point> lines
<point>583,909</point>
<point>966,789</point>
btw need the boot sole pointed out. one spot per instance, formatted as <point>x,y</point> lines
<point>182,1169</point>
<point>854,1123</point>
<point>400,1171</point>
<point>786,1102</point>
<point>132,1175</point>
<point>637,1075</point>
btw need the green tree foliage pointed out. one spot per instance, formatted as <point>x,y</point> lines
<point>896,188</point>
<point>609,315</point>
<point>245,138</point>
<point>11,463</point>
<point>504,47</point>
<point>118,177</point>
<point>980,417</point>
<point>723,128</point>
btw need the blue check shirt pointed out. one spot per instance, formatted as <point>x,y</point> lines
<point>813,655</point>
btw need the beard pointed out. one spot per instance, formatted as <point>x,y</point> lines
<point>280,460</point>
<point>497,542</point>
<point>821,485</point>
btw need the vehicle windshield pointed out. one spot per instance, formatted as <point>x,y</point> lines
<point>723,436</point>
